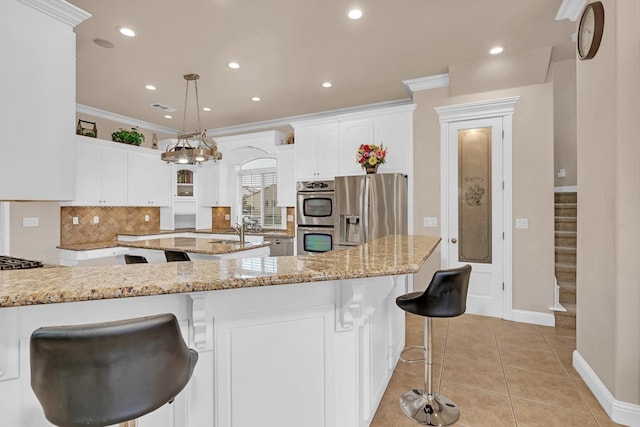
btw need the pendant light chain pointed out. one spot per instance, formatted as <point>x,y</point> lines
<point>197,103</point>
<point>184,112</point>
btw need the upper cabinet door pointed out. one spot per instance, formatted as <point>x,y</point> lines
<point>328,160</point>
<point>208,182</point>
<point>286,175</point>
<point>137,183</point>
<point>100,175</point>
<point>88,175</point>
<point>352,135</point>
<point>306,142</point>
<point>160,182</point>
<point>393,132</point>
<point>148,181</point>
<point>114,177</point>
<point>317,151</point>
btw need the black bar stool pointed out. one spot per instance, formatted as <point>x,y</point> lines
<point>446,296</point>
<point>134,259</point>
<point>107,373</point>
<point>173,256</point>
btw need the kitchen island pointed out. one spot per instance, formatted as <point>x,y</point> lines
<point>283,341</point>
<point>199,246</point>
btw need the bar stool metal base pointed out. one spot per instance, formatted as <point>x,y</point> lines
<point>430,410</point>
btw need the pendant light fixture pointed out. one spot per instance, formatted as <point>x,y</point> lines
<point>193,147</point>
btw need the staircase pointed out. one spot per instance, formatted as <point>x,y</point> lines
<point>566,205</point>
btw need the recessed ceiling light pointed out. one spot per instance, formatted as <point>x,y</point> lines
<point>206,109</point>
<point>255,98</point>
<point>168,116</point>
<point>103,43</point>
<point>150,87</point>
<point>234,65</point>
<point>496,50</point>
<point>355,14</point>
<point>127,32</point>
<point>326,84</point>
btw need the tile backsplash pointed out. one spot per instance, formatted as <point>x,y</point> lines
<point>218,221</point>
<point>111,222</point>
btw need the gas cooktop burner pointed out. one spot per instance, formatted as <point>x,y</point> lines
<point>10,263</point>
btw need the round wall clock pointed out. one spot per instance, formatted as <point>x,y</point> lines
<point>590,30</point>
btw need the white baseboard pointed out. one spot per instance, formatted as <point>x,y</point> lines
<point>534,317</point>
<point>567,189</point>
<point>624,413</point>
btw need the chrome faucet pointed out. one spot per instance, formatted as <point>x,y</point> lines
<point>239,228</point>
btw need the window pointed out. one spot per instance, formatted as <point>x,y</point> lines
<point>259,194</point>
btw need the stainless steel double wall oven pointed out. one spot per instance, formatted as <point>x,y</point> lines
<point>315,212</point>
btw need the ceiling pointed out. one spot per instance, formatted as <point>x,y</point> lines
<point>287,48</point>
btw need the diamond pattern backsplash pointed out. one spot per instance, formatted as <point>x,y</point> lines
<point>112,221</point>
<point>218,221</point>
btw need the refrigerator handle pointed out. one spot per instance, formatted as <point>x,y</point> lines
<point>364,223</point>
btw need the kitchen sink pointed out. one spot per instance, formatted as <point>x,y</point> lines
<point>225,242</point>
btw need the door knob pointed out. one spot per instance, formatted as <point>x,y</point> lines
<point>454,240</point>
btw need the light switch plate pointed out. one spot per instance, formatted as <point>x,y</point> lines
<point>227,217</point>
<point>430,221</point>
<point>96,219</point>
<point>522,223</point>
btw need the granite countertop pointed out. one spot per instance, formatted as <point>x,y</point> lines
<point>205,245</point>
<point>266,232</point>
<point>194,245</point>
<point>390,255</point>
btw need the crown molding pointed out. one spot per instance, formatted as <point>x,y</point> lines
<point>248,127</point>
<point>570,9</point>
<point>60,10</point>
<point>288,121</point>
<point>85,109</point>
<point>425,83</point>
<point>477,110</point>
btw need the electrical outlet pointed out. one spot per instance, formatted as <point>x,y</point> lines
<point>227,217</point>
<point>30,222</point>
<point>75,220</point>
<point>562,173</point>
<point>289,218</point>
<point>522,223</point>
<point>430,221</point>
<point>146,218</point>
<point>96,219</point>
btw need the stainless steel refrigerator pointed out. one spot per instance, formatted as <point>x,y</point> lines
<point>369,207</point>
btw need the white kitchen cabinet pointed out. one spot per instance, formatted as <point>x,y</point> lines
<point>226,187</point>
<point>148,181</point>
<point>100,174</point>
<point>327,147</point>
<point>317,151</point>
<point>395,131</point>
<point>391,127</point>
<point>38,87</point>
<point>353,133</point>
<point>208,179</point>
<point>286,173</point>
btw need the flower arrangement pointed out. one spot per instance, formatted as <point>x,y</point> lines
<point>371,155</point>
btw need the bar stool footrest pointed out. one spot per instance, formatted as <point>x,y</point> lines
<point>413,347</point>
<point>430,410</point>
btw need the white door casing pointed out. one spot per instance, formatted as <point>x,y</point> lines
<point>486,295</point>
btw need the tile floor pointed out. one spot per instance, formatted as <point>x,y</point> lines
<point>499,373</point>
